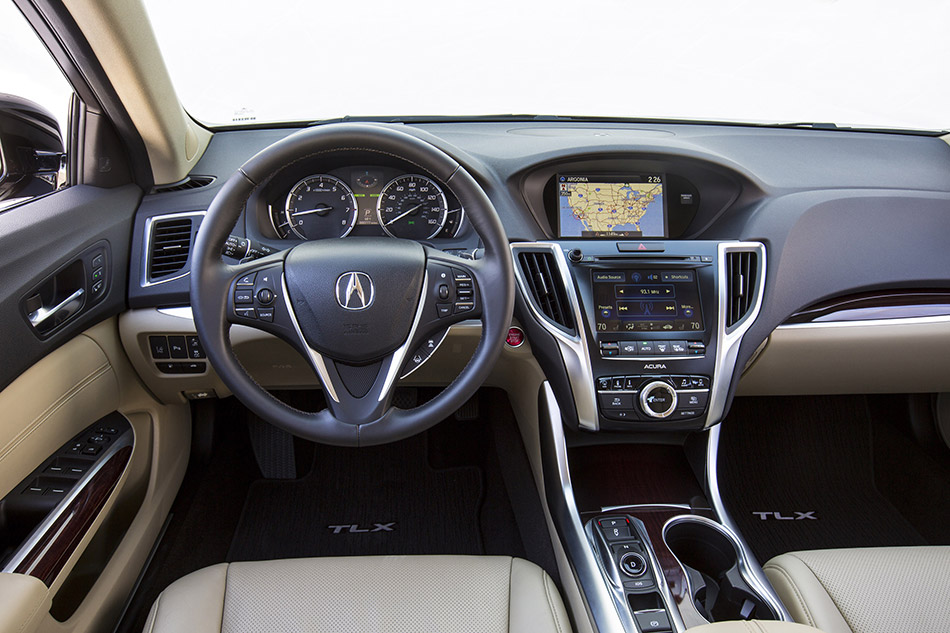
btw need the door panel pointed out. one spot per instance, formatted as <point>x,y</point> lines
<point>40,241</point>
<point>58,380</point>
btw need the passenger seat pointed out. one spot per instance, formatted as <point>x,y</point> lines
<point>866,590</point>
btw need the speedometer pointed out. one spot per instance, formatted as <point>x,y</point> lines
<point>320,206</point>
<point>412,207</point>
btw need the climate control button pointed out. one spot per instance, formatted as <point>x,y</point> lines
<point>658,399</point>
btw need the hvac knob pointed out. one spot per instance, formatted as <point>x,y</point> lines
<point>658,399</point>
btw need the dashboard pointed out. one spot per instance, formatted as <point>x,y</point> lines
<point>640,220</point>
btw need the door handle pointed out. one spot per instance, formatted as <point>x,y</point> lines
<point>64,308</point>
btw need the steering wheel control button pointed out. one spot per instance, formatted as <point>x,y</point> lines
<point>464,307</point>
<point>515,337</point>
<point>244,296</point>
<point>158,345</point>
<point>245,313</point>
<point>445,309</point>
<point>176,346</point>
<point>265,296</point>
<point>443,292</point>
<point>658,399</point>
<point>247,280</point>
<point>266,314</point>
<point>633,564</point>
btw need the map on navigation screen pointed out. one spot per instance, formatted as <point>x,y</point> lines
<point>621,206</point>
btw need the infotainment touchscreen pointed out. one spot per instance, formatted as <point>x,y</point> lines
<point>631,205</point>
<point>650,300</point>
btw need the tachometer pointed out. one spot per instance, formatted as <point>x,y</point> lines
<point>320,206</point>
<point>412,207</point>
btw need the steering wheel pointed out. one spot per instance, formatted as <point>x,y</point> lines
<point>355,308</point>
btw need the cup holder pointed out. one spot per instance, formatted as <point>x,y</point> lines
<point>714,567</point>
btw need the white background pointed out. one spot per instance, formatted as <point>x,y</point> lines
<point>847,61</point>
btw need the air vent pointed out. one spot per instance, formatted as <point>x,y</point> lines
<point>741,271</point>
<point>541,275</point>
<point>168,247</point>
<point>191,182</point>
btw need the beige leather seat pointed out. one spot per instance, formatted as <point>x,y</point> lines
<point>869,590</point>
<point>442,594</point>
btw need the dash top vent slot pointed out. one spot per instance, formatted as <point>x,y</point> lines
<point>191,182</point>
<point>546,287</point>
<point>169,246</point>
<point>741,280</point>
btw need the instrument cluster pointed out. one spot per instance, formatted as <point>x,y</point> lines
<point>362,200</point>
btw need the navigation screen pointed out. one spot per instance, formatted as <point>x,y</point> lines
<point>611,206</point>
<point>647,301</point>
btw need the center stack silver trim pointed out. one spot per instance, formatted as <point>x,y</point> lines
<point>574,349</point>
<point>607,616</point>
<point>729,339</point>
<point>754,574</point>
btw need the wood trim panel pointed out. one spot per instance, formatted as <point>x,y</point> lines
<point>49,554</point>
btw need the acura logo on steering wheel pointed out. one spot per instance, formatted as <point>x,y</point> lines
<point>355,291</point>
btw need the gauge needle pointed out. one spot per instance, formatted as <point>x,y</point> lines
<point>323,208</point>
<point>404,214</point>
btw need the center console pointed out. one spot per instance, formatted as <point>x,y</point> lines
<point>638,331</point>
<point>648,330</point>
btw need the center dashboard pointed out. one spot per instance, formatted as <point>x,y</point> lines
<point>725,195</point>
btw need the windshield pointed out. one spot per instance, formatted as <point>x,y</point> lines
<point>849,62</point>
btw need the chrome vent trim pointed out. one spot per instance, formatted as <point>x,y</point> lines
<point>171,262</point>
<point>729,336</point>
<point>539,269</point>
<point>573,344</point>
<point>740,280</point>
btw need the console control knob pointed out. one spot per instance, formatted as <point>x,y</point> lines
<point>658,399</point>
<point>575,255</point>
<point>633,564</point>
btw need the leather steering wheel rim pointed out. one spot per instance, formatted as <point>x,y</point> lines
<point>212,281</point>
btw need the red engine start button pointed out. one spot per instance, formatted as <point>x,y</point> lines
<point>515,337</point>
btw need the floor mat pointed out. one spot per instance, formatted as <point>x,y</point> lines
<point>798,474</point>
<point>463,487</point>
<point>362,502</point>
